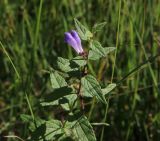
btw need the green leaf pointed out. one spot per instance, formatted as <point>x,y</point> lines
<point>65,138</point>
<point>44,130</point>
<point>54,129</point>
<point>57,81</point>
<point>71,67</point>
<point>68,102</point>
<point>63,64</point>
<point>49,130</point>
<point>98,27</point>
<point>26,118</point>
<point>91,87</point>
<point>83,32</point>
<point>156,118</point>
<point>109,88</point>
<point>78,61</point>
<point>82,130</point>
<point>97,51</point>
<point>32,123</point>
<point>109,49</point>
<point>57,96</point>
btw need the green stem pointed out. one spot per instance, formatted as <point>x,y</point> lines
<point>92,108</point>
<point>38,25</point>
<point>117,40</point>
<point>105,118</point>
<point>29,105</point>
<point>17,73</point>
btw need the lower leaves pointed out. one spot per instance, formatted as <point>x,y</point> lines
<point>82,130</point>
<point>78,129</point>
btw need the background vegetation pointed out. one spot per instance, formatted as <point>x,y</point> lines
<point>32,36</point>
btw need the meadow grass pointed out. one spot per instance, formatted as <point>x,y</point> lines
<point>31,37</point>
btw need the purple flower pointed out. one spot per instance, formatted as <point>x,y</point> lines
<point>73,39</point>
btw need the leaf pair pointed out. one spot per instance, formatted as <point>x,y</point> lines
<point>62,94</point>
<point>84,33</point>
<point>78,129</point>
<point>43,130</point>
<point>97,51</point>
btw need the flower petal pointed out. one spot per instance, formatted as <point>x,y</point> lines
<point>71,41</point>
<point>78,40</point>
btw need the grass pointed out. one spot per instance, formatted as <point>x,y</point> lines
<point>31,37</point>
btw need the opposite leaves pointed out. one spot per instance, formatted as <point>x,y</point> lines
<point>43,130</point>
<point>97,51</point>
